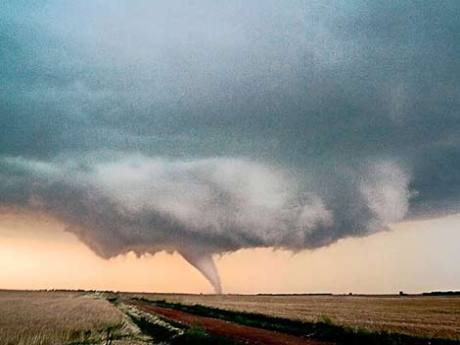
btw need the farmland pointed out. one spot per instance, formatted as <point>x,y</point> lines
<point>88,318</point>
<point>42,318</point>
<point>83,318</point>
<point>422,316</point>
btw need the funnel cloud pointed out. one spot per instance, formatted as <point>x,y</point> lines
<point>204,128</point>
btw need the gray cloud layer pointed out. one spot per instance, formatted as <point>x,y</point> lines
<point>204,128</point>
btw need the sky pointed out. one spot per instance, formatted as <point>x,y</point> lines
<point>412,257</point>
<point>199,130</point>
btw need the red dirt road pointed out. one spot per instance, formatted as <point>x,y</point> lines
<point>245,334</point>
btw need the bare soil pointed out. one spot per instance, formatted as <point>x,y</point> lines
<point>245,334</point>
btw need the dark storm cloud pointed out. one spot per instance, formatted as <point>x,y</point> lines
<point>206,127</point>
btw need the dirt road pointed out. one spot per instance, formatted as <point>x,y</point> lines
<point>245,334</point>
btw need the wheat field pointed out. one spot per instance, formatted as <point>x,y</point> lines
<point>42,318</point>
<point>45,318</point>
<point>414,315</point>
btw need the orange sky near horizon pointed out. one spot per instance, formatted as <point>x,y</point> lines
<point>35,253</point>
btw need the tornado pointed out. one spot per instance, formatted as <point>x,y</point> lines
<point>204,263</point>
<point>206,130</point>
<point>198,207</point>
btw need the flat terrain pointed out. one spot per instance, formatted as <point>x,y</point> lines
<point>42,318</point>
<point>243,334</point>
<point>423,316</point>
<point>82,318</point>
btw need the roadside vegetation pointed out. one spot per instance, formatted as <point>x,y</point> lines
<point>162,331</point>
<point>414,315</point>
<point>323,329</point>
<point>88,318</point>
<point>96,318</point>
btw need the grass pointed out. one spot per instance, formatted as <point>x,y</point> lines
<point>196,335</point>
<point>43,318</point>
<point>324,329</point>
<point>162,331</point>
<point>156,328</point>
<point>79,318</point>
<point>419,316</point>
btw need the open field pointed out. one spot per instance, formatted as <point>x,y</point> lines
<point>423,316</point>
<point>83,318</point>
<point>42,318</point>
<point>89,318</point>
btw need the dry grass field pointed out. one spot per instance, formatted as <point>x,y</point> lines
<point>73,318</point>
<point>414,315</point>
<point>42,318</point>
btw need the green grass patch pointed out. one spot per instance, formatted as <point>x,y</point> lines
<point>197,335</point>
<point>193,335</point>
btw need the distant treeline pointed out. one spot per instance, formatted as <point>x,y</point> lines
<point>401,293</point>
<point>442,293</point>
<point>294,294</point>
